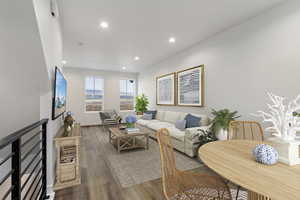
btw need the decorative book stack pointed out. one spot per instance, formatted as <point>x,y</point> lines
<point>132,130</point>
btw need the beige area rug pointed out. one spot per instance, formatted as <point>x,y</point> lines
<point>138,166</point>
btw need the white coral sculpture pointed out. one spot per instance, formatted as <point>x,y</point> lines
<point>281,116</point>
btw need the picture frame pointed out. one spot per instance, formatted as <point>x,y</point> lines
<point>166,89</point>
<point>190,87</point>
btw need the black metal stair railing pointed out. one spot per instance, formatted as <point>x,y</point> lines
<point>23,163</point>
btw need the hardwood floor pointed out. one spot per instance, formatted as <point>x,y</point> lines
<point>98,182</point>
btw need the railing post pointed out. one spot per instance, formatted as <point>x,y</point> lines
<point>16,167</point>
<point>44,162</point>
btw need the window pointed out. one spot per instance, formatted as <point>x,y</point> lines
<point>127,94</point>
<point>94,94</point>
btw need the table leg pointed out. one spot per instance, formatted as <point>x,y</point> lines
<point>255,196</point>
<point>147,142</point>
<point>118,145</point>
<point>109,133</point>
<point>134,142</point>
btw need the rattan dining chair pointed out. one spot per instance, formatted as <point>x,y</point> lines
<point>245,130</point>
<point>180,185</point>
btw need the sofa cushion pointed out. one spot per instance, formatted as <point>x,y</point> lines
<point>182,116</point>
<point>176,133</point>
<point>146,122</point>
<point>152,112</point>
<point>158,125</point>
<point>160,115</point>
<point>172,117</point>
<point>192,121</point>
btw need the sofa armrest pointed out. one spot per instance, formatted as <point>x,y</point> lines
<point>192,134</point>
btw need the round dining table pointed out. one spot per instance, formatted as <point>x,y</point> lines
<point>234,161</point>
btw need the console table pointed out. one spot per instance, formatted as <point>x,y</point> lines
<point>67,158</point>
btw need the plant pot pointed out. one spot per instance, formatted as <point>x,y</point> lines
<point>222,134</point>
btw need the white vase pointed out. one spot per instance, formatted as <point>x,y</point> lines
<point>222,134</point>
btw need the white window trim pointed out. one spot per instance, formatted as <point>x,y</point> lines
<point>93,100</point>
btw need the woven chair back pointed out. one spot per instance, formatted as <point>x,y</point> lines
<point>170,176</point>
<point>245,130</point>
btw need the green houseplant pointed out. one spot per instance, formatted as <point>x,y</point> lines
<point>220,123</point>
<point>141,104</point>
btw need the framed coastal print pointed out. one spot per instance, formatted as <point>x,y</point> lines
<point>165,89</point>
<point>190,87</point>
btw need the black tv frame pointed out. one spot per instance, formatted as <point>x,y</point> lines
<point>54,95</point>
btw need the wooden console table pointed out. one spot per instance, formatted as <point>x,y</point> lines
<point>234,161</point>
<point>67,158</point>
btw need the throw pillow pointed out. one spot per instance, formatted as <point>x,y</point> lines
<point>147,116</point>
<point>152,112</point>
<point>180,124</point>
<point>192,121</point>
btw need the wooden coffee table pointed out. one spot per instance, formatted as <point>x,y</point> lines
<point>125,141</point>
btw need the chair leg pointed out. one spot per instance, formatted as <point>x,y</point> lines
<point>237,192</point>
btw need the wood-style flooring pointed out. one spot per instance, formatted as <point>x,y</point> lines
<point>98,182</point>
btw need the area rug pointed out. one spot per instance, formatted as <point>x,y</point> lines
<point>139,166</point>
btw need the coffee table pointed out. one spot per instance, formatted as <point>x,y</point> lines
<point>126,141</point>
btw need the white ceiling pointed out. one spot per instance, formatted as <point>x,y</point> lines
<point>142,28</point>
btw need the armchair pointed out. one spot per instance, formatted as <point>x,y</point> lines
<point>109,118</point>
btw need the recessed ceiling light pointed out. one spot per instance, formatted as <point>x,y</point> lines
<point>104,25</point>
<point>64,62</point>
<point>172,40</point>
<point>123,68</point>
<point>136,58</point>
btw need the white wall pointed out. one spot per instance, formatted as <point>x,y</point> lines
<point>76,95</point>
<point>22,66</point>
<point>241,64</point>
<point>51,38</point>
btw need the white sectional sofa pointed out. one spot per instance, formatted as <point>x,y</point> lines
<point>185,141</point>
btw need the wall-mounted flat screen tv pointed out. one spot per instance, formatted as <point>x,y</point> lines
<point>60,94</point>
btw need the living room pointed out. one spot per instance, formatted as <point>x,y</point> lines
<point>150,100</point>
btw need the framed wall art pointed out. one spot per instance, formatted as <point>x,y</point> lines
<point>190,87</point>
<point>165,89</point>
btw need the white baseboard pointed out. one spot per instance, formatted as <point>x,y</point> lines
<point>50,192</point>
<point>51,195</point>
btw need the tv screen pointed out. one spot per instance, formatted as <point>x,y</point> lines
<point>60,94</point>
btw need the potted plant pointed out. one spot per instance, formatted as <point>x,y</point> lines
<point>141,104</point>
<point>220,123</point>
